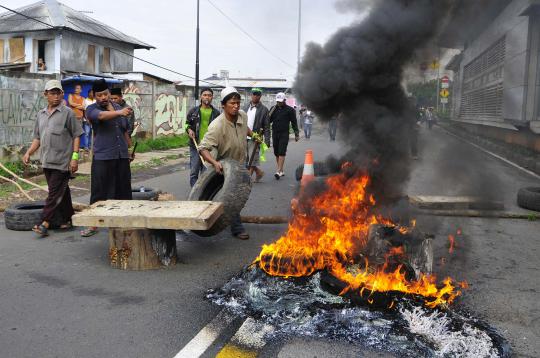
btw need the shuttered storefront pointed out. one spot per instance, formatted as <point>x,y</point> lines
<point>482,92</point>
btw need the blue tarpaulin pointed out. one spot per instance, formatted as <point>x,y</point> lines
<point>85,81</point>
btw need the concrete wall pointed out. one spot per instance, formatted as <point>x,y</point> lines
<point>20,100</point>
<point>159,107</point>
<point>74,53</point>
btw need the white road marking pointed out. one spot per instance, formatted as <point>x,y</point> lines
<point>252,334</point>
<point>204,339</point>
<point>494,155</point>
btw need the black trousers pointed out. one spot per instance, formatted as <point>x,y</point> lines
<point>58,202</point>
<point>111,179</point>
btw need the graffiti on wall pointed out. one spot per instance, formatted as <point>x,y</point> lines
<point>18,114</point>
<point>170,114</point>
<point>134,100</point>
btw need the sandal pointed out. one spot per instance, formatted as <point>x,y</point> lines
<point>89,231</point>
<point>41,230</point>
<point>66,226</point>
<point>242,236</point>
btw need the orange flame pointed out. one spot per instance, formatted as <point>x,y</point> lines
<point>327,235</point>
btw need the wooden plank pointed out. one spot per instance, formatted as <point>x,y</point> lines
<point>2,60</point>
<point>172,215</point>
<point>437,202</point>
<point>16,49</point>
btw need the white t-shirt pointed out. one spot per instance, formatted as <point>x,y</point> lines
<point>88,101</point>
<point>251,116</point>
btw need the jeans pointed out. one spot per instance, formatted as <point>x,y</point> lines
<point>86,137</point>
<point>195,165</point>
<point>332,129</point>
<point>236,225</point>
<point>307,130</point>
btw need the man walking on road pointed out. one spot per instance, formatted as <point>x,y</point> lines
<point>57,132</point>
<point>111,173</point>
<point>227,134</point>
<point>257,115</point>
<point>197,121</point>
<point>281,116</point>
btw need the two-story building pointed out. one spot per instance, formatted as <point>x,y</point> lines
<point>67,40</point>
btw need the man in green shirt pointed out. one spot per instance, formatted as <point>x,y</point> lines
<point>197,121</point>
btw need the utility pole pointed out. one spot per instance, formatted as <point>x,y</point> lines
<point>299,34</point>
<point>438,77</point>
<point>196,94</point>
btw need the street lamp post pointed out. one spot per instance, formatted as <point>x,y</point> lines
<point>196,94</point>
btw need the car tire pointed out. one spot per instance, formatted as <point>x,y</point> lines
<point>147,194</point>
<point>529,198</point>
<point>232,189</point>
<point>320,169</point>
<point>23,216</point>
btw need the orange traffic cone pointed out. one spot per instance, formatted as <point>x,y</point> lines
<point>309,173</point>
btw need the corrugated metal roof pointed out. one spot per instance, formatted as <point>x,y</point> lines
<point>60,16</point>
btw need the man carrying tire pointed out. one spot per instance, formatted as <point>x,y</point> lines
<point>57,131</point>
<point>226,137</point>
<point>197,121</point>
<point>281,116</point>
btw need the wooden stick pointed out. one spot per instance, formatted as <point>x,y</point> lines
<point>22,179</point>
<point>265,219</point>
<point>460,213</point>
<point>18,186</point>
<point>200,156</point>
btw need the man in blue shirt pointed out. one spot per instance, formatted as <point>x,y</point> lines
<point>111,173</point>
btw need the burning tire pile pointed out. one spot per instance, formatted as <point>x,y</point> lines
<point>342,271</point>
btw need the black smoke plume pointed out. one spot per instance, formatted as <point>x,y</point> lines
<point>356,76</point>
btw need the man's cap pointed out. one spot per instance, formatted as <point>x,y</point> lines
<point>226,92</point>
<point>256,90</point>
<point>52,84</point>
<point>116,91</point>
<point>280,97</point>
<point>99,86</point>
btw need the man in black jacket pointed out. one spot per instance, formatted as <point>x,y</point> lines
<point>258,122</point>
<point>197,121</point>
<point>281,115</point>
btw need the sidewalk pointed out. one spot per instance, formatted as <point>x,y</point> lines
<point>143,158</point>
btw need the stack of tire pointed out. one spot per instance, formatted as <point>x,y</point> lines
<point>24,215</point>
<point>529,198</point>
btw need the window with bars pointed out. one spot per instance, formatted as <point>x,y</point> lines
<point>482,91</point>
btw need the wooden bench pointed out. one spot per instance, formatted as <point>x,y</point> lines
<point>142,233</point>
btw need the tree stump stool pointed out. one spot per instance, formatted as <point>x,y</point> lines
<point>141,249</point>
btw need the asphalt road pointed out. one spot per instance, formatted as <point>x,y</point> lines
<point>60,298</point>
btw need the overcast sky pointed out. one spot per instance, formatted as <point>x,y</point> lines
<point>170,27</point>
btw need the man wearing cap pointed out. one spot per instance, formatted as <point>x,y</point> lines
<point>111,174</point>
<point>118,98</point>
<point>281,116</point>
<point>257,115</point>
<point>227,137</point>
<point>57,132</point>
<point>197,121</point>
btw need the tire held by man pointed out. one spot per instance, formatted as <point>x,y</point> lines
<point>232,189</point>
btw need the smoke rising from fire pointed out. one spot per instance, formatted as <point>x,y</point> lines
<point>357,75</point>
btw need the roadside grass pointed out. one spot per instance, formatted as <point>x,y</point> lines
<point>6,188</point>
<point>162,143</point>
<point>16,167</point>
